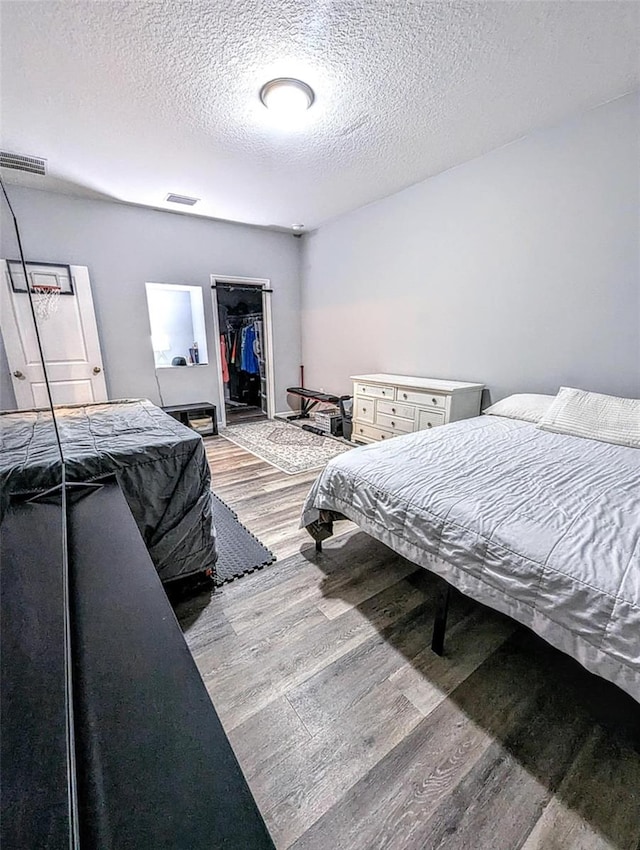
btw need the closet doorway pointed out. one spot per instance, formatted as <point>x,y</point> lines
<point>242,323</point>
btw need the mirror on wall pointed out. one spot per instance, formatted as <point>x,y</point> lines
<point>31,450</point>
<point>29,301</point>
<point>35,625</point>
<point>176,316</point>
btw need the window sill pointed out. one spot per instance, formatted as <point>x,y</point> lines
<point>186,366</point>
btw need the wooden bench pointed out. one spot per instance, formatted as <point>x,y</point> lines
<point>185,412</point>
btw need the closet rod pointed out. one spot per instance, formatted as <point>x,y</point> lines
<point>237,286</point>
<point>246,317</point>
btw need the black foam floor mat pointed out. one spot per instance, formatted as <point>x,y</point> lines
<point>239,551</point>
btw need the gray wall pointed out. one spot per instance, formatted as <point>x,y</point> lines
<point>126,246</point>
<point>520,269</point>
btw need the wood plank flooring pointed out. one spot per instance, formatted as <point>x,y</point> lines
<point>353,735</point>
<point>235,415</point>
<point>267,500</point>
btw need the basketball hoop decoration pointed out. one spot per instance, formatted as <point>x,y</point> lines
<point>46,297</point>
<point>46,282</point>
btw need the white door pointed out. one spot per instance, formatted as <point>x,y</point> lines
<point>69,340</point>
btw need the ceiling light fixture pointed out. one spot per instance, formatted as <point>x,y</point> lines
<point>286,96</point>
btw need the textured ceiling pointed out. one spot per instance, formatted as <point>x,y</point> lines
<point>135,100</point>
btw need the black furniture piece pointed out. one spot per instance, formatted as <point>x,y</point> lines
<point>185,412</point>
<point>346,411</point>
<point>35,793</point>
<point>309,399</point>
<point>127,751</point>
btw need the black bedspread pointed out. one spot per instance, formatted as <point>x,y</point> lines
<point>160,465</point>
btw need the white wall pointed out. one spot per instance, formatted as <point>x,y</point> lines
<point>125,247</point>
<point>520,269</point>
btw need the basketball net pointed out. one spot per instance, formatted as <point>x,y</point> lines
<point>46,298</point>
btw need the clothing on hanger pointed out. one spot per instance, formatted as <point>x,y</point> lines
<point>250,362</point>
<point>234,347</point>
<point>223,357</point>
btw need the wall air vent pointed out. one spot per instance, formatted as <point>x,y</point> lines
<point>182,199</point>
<point>19,162</point>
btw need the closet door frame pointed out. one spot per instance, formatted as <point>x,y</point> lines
<point>260,283</point>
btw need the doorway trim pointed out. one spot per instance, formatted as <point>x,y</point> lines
<point>263,284</point>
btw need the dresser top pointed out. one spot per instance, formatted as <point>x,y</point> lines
<point>411,382</point>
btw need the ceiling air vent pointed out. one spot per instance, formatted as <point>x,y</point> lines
<point>182,199</point>
<point>19,162</point>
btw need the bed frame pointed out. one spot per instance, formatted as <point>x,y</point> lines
<point>442,610</point>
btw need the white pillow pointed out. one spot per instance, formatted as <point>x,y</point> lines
<point>595,416</point>
<point>530,407</point>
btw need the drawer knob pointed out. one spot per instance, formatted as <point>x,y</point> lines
<point>364,389</point>
<point>393,424</point>
<point>429,425</point>
<point>361,430</point>
<point>364,409</point>
<point>434,400</point>
<point>404,395</point>
<point>393,410</point>
<point>382,436</point>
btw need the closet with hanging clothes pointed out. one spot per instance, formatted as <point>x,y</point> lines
<point>240,316</point>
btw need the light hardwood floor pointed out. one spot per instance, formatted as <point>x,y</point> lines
<point>353,735</point>
<point>266,500</point>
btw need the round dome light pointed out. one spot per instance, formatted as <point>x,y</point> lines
<point>286,96</point>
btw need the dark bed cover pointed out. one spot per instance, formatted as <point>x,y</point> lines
<point>160,465</point>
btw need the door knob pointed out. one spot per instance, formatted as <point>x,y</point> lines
<point>18,374</point>
<point>96,370</point>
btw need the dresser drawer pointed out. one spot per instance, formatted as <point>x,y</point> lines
<point>432,400</point>
<point>369,432</point>
<point>394,408</point>
<point>395,423</point>
<point>374,390</point>
<point>364,409</point>
<point>430,419</point>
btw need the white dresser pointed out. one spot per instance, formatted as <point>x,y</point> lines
<point>386,406</point>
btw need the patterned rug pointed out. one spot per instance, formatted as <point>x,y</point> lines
<point>284,445</point>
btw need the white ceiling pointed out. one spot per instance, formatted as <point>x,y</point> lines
<point>137,99</point>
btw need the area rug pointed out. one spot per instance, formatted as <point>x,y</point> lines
<point>285,446</point>
<point>239,551</point>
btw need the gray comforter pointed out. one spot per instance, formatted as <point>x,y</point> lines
<point>543,527</point>
<point>160,465</point>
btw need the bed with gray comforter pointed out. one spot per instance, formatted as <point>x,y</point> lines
<point>160,465</point>
<point>543,527</point>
